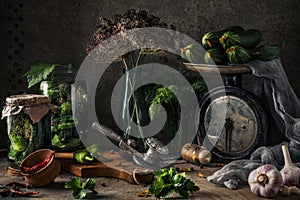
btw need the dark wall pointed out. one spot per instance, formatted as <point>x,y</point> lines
<point>57,31</point>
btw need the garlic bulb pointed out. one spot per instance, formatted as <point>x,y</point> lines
<point>265,181</point>
<point>290,173</point>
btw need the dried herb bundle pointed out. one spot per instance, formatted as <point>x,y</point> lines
<point>121,24</point>
<point>128,37</point>
<point>129,20</point>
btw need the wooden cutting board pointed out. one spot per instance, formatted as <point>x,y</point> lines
<point>117,168</point>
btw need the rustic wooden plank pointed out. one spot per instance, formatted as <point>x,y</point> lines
<point>117,189</point>
<point>117,168</point>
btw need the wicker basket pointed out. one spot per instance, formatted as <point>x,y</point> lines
<point>45,175</point>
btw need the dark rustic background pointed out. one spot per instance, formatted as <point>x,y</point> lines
<point>57,31</point>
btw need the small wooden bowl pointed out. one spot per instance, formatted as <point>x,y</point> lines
<point>45,175</point>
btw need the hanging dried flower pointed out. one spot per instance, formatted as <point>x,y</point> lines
<point>121,24</point>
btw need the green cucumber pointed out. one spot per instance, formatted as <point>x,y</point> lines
<point>267,52</point>
<point>64,126</point>
<point>65,119</point>
<point>215,56</point>
<point>238,55</point>
<point>236,29</point>
<point>211,39</point>
<point>18,142</point>
<point>193,53</point>
<point>83,156</point>
<point>247,39</point>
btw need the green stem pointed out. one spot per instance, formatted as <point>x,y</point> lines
<point>137,63</point>
<point>127,101</point>
<point>135,97</point>
<point>140,97</point>
<point>131,85</point>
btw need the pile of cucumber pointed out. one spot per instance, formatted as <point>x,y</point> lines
<point>233,45</point>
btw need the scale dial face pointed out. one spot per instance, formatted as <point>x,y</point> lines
<point>232,122</point>
<point>243,124</point>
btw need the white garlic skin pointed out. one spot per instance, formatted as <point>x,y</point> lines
<point>290,173</point>
<point>265,181</point>
<point>290,176</point>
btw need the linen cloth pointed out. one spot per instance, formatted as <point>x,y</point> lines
<point>282,103</point>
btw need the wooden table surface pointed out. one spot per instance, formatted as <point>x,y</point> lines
<point>110,188</point>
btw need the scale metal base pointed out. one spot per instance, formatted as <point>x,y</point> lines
<point>245,126</point>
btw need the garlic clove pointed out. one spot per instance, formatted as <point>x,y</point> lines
<point>285,191</point>
<point>294,190</point>
<point>290,173</point>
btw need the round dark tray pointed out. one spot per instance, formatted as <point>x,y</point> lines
<point>215,69</point>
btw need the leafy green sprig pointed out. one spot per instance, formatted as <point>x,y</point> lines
<point>169,181</point>
<point>79,187</point>
<point>39,71</point>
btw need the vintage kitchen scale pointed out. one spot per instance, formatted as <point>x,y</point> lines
<point>245,125</point>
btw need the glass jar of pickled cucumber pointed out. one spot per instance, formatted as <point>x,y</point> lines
<point>28,124</point>
<point>63,122</point>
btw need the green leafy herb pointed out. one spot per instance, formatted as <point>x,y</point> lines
<point>200,88</point>
<point>169,181</point>
<point>74,142</point>
<point>163,96</point>
<point>65,108</point>
<point>79,188</point>
<point>39,72</point>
